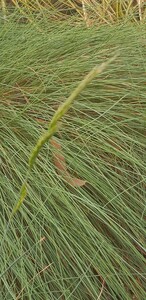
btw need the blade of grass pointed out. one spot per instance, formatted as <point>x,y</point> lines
<point>53,124</point>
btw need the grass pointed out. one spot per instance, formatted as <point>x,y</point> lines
<point>66,242</point>
<point>98,11</point>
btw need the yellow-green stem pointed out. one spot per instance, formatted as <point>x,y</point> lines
<point>61,111</point>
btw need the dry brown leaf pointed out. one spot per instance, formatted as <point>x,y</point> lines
<point>75,181</point>
<point>60,164</point>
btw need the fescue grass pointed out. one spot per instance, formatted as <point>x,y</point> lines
<point>71,242</point>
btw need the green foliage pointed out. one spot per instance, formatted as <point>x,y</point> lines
<point>66,242</point>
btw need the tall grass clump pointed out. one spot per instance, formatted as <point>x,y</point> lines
<point>97,11</point>
<point>72,241</point>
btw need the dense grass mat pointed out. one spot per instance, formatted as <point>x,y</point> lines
<point>70,241</point>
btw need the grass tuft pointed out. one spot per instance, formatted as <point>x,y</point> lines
<point>67,242</point>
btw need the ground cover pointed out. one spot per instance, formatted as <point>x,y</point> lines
<point>71,240</point>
